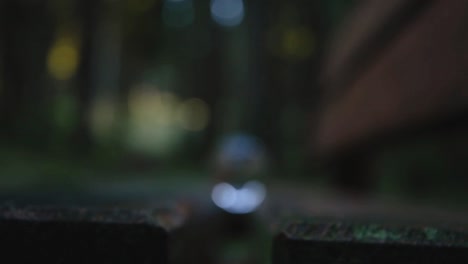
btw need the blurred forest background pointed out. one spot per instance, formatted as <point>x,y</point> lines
<point>105,88</point>
<point>96,90</point>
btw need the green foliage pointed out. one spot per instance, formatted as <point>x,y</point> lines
<point>375,232</point>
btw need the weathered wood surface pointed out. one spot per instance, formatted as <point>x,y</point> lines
<point>54,235</point>
<point>413,79</point>
<point>324,243</point>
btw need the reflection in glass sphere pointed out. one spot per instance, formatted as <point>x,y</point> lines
<point>227,13</point>
<point>239,201</point>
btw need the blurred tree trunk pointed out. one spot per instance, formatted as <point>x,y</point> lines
<point>26,31</point>
<point>11,69</point>
<point>89,11</point>
<point>266,79</point>
<point>208,73</point>
<point>210,79</point>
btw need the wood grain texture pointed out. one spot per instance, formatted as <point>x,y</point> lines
<point>327,243</point>
<point>419,78</point>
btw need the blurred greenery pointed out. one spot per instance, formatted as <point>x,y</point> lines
<point>154,85</point>
<point>147,89</point>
